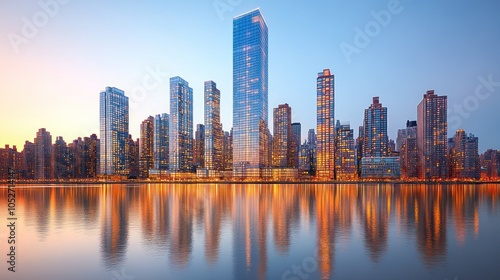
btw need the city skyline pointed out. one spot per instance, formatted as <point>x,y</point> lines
<point>480,70</point>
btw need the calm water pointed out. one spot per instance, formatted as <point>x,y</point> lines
<point>255,232</point>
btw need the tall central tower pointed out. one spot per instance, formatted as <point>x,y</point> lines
<point>250,96</point>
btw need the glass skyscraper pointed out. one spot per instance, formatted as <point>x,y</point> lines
<point>250,94</point>
<point>114,120</point>
<point>213,128</point>
<point>325,142</point>
<point>160,149</point>
<point>181,125</point>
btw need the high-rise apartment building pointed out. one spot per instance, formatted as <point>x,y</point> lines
<point>432,136</point>
<point>296,142</point>
<point>213,128</point>
<point>43,155</point>
<point>146,147</point>
<point>114,132</point>
<point>345,153</point>
<point>282,139</point>
<point>160,144</point>
<point>464,156</point>
<point>180,126</point>
<point>375,137</point>
<point>325,120</point>
<point>199,147</point>
<point>250,95</point>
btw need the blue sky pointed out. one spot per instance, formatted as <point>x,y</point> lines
<point>53,77</point>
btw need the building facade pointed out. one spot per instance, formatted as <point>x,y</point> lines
<point>282,139</point>
<point>160,144</point>
<point>432,137</point>
<point>214,135</point>
<point>199,147</point>
<point>114,132</point>
<point>345,153</point>
<point>180,126</point>
<point>146,147</point>
<point>43,155</point>
<point>375,137</point>
<point>325,121</point>
<point>250,95</point>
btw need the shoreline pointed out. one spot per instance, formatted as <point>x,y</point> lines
<point>309,182</point>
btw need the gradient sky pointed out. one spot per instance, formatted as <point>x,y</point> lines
<point>55,77</point>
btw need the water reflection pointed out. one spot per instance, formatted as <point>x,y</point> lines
<point>262,220</point>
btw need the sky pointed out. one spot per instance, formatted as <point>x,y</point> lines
<point>56,56</point>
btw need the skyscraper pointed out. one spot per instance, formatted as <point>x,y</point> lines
<point>296,142</point>
<point>432,136</point>
<point>409,132</point>
<point>43,155</point>
<point>146,147</point>
<point>375,130</point>
<point>250,94</point>
<point>282,140</point>
<point>325,143</point>
<point>29,162</point>
<point>160,149</point>
<point>213,128</point>
<point>91,155</point>
<point>181,125</point>
<point>60,159</point>
<point>345,154</point>
<point>464,156</point>
<point>199,147</point>
<point>359,149</point>
<point>114,132</point>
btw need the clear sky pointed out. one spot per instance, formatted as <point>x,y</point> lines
<point>54,61</point>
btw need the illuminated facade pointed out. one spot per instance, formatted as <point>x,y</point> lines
<point>180,126</point>
<point>359,149</point>
<point>375,130</point>
<point>406,144</point>
<point>146,147</point>
<point>60,159</point>
<point>345,153</point>
<point>282,139</point>
<point>213,128</point>
<point>133,157</point>
<point>43,155</point>
<point>114,129</point>
<point>250,95</point>
<point>227,150</point>
<point>432,137</point>
<point>160,144</point>
<point>325,142</point>
<point>380,168</point>
<point>464,156</point>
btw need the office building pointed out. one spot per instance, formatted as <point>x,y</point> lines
<point>250,95</point>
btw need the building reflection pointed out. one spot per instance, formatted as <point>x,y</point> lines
<point>114,224</point>
<point>181,222</point>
